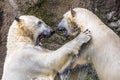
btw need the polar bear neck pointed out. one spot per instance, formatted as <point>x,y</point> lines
<point>104,42</point>
<point>17,36</point>
<point>87,20</point>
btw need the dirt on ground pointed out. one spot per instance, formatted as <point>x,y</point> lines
<point>51,12</point>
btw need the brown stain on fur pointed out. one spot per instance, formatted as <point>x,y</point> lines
<point>24,32</point>
<point>73,25</point>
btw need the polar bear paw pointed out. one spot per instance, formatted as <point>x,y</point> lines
<point>84,37</point>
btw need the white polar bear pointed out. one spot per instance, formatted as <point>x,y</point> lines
<point>104,49</point>
<point>26,60</point>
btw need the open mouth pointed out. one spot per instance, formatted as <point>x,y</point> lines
<point>62,32</point>
<point>42,36</point>
<point>39,38</point>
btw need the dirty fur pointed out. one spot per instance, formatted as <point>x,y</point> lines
<point>25,61</point>
<point>104,49</point>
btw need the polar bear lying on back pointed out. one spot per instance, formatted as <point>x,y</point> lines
<point>26,60</point>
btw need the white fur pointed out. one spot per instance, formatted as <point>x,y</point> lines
<point>104,49</point>
<point>24,61</point>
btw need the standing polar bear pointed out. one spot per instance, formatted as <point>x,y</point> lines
<point>104,49</point>
<point>26,60</point>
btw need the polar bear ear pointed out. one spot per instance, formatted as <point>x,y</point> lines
<point>73,13</point>
<point>17,19</point>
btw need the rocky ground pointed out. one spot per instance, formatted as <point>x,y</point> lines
<point>51,12</point>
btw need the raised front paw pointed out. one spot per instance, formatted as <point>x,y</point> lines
<point>84,37</point>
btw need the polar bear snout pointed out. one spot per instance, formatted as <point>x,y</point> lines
<point>61,28</point>
<point>48,33</point>
<point>52,32</point>
<point>45,33</point>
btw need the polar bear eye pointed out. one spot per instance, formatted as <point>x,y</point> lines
<point>39,23</point>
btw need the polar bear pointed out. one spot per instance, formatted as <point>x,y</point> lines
<point>104,48</point>
<point>27,60</point>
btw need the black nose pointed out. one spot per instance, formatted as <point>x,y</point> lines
<point>52,31</point>
<point>61,28</point>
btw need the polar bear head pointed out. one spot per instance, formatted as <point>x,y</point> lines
<point>33,28</point>
<point>68,23</point>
